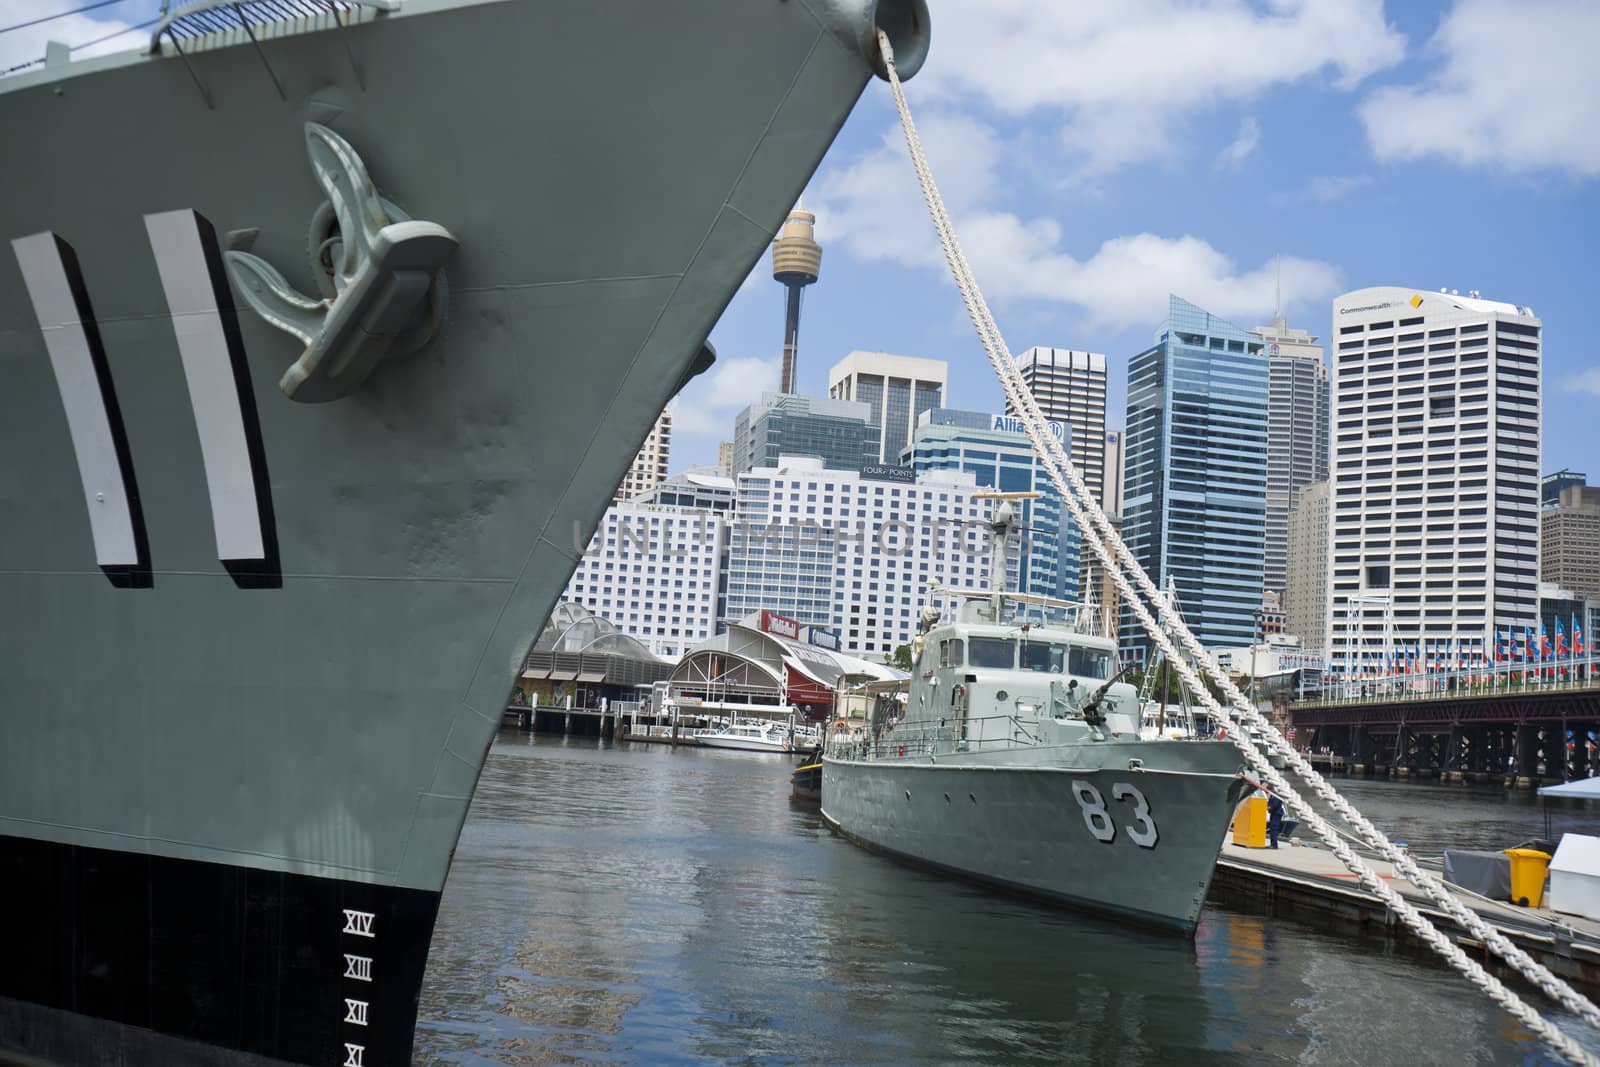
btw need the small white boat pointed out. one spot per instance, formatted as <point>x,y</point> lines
<point>750,735</point>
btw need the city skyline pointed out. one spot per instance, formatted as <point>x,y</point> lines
<point>1295,164</point>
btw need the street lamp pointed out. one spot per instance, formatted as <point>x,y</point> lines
<point>1253,649</point>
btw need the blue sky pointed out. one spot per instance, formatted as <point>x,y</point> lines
<point>1097,156</point>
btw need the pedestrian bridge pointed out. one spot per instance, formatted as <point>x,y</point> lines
<point>1529,732</point>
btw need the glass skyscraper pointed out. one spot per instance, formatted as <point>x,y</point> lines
<point>1194,506</point>
<point>838,432</point>
<point>1003,460</point>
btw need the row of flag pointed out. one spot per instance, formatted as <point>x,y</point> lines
<point>1447,655</point>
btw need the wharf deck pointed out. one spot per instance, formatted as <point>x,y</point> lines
<point>1309,880</point>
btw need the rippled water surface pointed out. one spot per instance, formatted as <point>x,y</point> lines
<point>633,904</point>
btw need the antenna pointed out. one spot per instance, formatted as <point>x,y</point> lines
<point>1277,296</point>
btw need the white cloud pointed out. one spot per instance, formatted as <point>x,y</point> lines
<point>24,45</point>
<point>707,405</point>
<point>1518,89</point>
<point>873,208</point>
<point>1586,381</point>
<point>1119,75</point>
<point>1326,188</point>
<point>1249,136</point>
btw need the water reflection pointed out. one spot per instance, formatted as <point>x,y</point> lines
<point>633,904</point>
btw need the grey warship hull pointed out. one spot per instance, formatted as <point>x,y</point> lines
<point>1130,830</point>
<point>253,651</point>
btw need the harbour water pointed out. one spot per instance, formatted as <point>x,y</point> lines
<point>620,904</point>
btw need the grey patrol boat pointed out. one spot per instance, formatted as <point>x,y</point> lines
<point>1018,764</point>
<point>327,329</point>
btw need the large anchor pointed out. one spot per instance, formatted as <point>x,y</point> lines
<point>383,291</point>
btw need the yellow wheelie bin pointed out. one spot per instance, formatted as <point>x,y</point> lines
<point>1250,823</point>
<point>1528,869</point>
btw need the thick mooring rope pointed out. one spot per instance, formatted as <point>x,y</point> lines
<point>1121,566</point>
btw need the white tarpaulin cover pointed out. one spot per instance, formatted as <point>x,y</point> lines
<point>1582,788</point>
<point>1575,876</point>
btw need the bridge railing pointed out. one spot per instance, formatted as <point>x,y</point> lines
<point>1581,672</point>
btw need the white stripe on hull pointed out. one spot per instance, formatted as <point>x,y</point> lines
<point>70,336</point>
<point>744,744</point>
<point>213,391</point>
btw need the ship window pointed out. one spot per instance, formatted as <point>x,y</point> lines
<point>950,653</point>
<point>1042,657</point>
<point>1090,662</point>
<point>993,652</point>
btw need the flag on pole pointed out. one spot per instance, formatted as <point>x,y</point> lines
<point>1544,642</point>
<point>1561,639</point>
<point>1577,637</point>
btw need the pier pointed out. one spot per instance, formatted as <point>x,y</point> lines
<point>1524,736</point>
<point>1310,882</point>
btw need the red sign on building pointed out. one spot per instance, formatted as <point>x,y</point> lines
<point>781,625</point>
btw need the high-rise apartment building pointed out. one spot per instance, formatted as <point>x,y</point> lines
<point>1194,503</point>
<point>1001,458</point>
<point>838,550</point>
<point>725,455</point>
<point>1435,471</point>
<point>838,432</point>
<point>653,570</point>
<point>1569,541</point>
<point>896,390</point>
<point>1305,601</point>
<point>650,465</point>
<point>1297,434</point>
<point>1070,387</point>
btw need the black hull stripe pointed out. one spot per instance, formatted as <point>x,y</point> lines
<point>236,958</point>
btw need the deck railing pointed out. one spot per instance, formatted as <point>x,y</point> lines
<point>1502,679</point>
<point>923,739</point>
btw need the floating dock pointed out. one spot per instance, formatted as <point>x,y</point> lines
<point>1310,882</point>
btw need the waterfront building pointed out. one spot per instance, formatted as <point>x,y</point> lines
<point>1070,386</point>
<point>1435,471</point>
<point>896,390</point>
<point>1569,540</point>
<point>852,552</point>
<point>996,452</point>
<point>580,659</point>
<point>1305,601</point>
<point>650,465</point>
<point>1297,434</point>
<point>1195,486</point>
<point>654,570</point>
<point>841,433</point>
<point>1551,485</point>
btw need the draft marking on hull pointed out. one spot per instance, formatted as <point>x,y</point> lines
<point>94,420</point>
<point>200,302</point>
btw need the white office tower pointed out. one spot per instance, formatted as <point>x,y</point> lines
<point>650,465</point>
<point>653,569</point>
<point>1070,387</point>
<point>1435,506</point>
<point>1297,435</point>
<point>1305,600</point>
<point>833,549</point>
<point>897,389</point>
